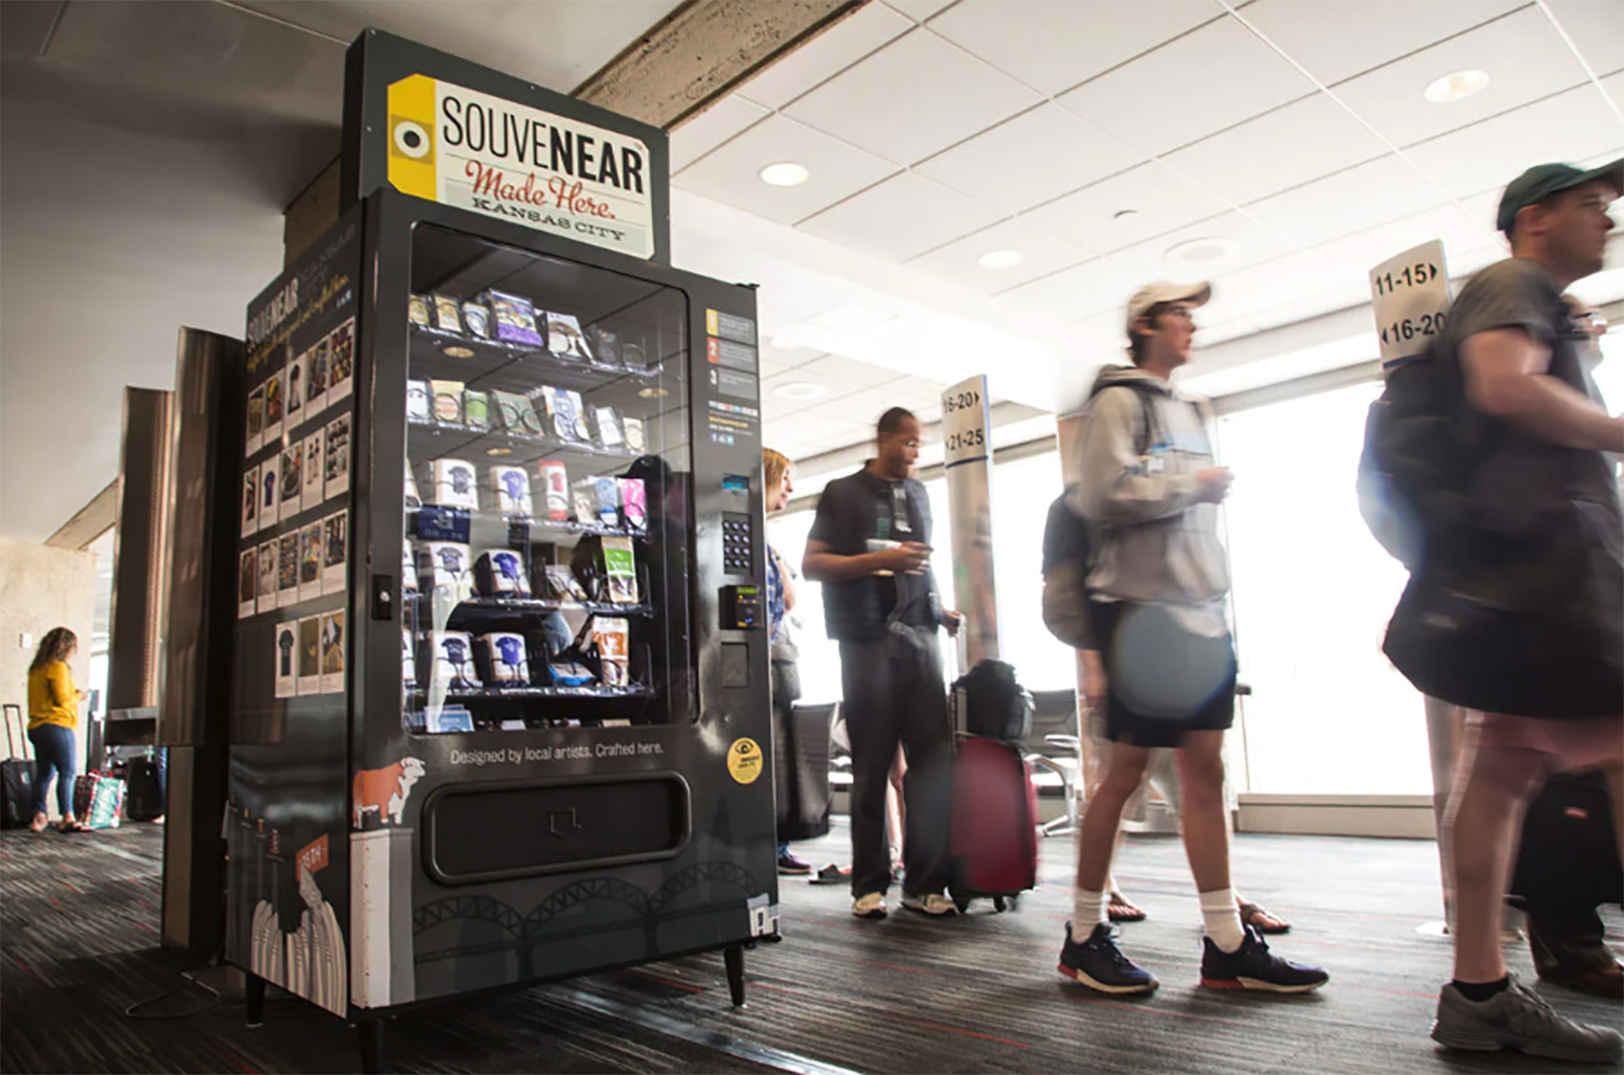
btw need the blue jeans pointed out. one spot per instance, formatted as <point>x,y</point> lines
<point>53,759</point>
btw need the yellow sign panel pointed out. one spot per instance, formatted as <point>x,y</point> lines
<point>744,760</point>
<point>411,136</point>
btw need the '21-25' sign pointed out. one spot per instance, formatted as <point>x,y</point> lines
<point>468,149</point>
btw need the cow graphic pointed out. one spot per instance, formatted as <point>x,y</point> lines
<point>385,791</point>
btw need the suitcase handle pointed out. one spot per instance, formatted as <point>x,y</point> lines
<point>12,709</point>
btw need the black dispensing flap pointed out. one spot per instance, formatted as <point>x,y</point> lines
<point>494,831</point>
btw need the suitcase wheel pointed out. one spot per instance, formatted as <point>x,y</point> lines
<point>961,899</point>
<point>998,904</point>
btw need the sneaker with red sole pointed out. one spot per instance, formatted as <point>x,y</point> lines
<point>1253,966</point>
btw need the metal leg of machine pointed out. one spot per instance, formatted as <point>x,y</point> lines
<point>734,955</point>
<point>255,989</point>
<point>370,1032</point>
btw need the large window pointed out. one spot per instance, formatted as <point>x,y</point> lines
<point>1312,595</point>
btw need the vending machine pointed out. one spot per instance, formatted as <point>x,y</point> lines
<point>500,708</point>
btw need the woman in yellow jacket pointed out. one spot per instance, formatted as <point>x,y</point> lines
<point>53,713</point>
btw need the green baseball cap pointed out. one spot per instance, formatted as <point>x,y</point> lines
<point>1543,180</point>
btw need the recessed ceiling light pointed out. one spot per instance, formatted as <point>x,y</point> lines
<point>1124,214</point>
<point>1455,86</point>
<point>800,390</point>
<point>1204,254</point>
<point>999,259</point>
<point>652,393</point>
<point>498,451</point>
<point>784,174</point>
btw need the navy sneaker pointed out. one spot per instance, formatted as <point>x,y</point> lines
<point>1099,964</point>
<point>1252,967</point>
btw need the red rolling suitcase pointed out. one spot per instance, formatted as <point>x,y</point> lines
<point>994,842</point>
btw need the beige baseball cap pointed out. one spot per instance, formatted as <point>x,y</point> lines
<point>1195,294</point>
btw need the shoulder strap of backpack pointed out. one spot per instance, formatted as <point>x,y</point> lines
<point>1147,403</point>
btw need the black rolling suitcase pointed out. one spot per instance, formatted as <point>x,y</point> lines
<point>1569,854</point>
<point>801,767</point>
<point>16,774</point>
<point>143,794</point>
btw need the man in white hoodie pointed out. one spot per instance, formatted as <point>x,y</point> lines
<point>1156,583</point>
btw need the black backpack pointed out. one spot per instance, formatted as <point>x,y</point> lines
<point>991,703</point>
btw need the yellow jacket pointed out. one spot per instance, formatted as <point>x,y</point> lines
<point>52,697</point>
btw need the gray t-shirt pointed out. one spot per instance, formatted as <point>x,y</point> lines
<point>1526,486</point>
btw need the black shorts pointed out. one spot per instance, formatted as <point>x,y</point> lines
<point>1123,724</point>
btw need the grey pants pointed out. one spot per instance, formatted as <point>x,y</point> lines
<point>893,693</point>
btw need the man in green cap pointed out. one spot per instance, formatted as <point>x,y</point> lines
<point>1522,585</point>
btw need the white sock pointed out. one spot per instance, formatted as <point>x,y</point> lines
<point>1221,918</point>
<point>1087,911</point>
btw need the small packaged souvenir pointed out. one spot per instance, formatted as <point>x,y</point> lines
<point>514,319</point>
<point>578,422</point>
<point>565,340</point>
<point>250,501</point>
<point>555,487</point>
<point>620,565</point>
<point>585,498</point>
<point>633,355</point>
<point>452,484</point>
<point>287,659</point>
<point>247,582</point>
<point>336,457</point>
<point>310,552</point>
<point>563,583</point>
<point>611,636</point>
<point>287,569</point>
<point>476,409</point>
<point>444,563</point>
<point>632,430</point>
<point>408,569</point>
<point>608,428</point>
<point>477,318</point>
<point>256,420</point>
<point>417,310</point>
<point>607,492</point>
<point>500,573</point>
<point>413,499</point>
<point>318,371</point>
<point>269,566</point>
<point>408,663</point>
<point>294,378</point>
<point>503,657</point>
<point>341,361</point>
<point>274,403</point>
<point>516,414</point>
<point>452,657</point>
<point>433,523</point>
<point>447,314</point>
<point>310,655</point>
<point>560,419</point>
<point>292,479</point>
<point>447,401</point>
<point>510,488</point>
<point>335,536</point>
<point>417,401</point>
<point>633,502</point>
<point>606,346</point>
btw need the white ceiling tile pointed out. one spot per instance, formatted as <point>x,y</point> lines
<point>849,372</point>
<point>1161,199</point>
<point>914,392</point>
<point>1352,257</point>
<point>1032,158</point>
<point>1149,103</point>
<point>1597,28</point>
<point>1300,142</point>
<point>903,216</point>
<point>831,386</point>
<point>862,408</point>
<point>1246,292</point>
<point>1525,59</point>
<point>1361,197</point>
<point>775,360</point>
<point>1041,252</point>
<point>1248,243</point>
<point>711,128</point>
<point>826,55</point>
<point>1055,44</point>
<point>914,97</point>
<point>729,174</point>
<point>1337,39</point>
<point>804,435</point>
<point>1095,287</point>
<point>1571,126</point>
<point>919,10</point>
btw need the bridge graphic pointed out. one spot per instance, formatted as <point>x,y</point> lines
<point>521,934</point>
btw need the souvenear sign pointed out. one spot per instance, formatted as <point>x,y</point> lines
<point>464,148</point>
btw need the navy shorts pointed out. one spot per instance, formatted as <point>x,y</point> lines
<point>1123,724</point>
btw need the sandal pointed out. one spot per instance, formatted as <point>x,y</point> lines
<point>1261,920</point>
<point>831,875</point>
<point>77,826</point>
<point>1120,910</point>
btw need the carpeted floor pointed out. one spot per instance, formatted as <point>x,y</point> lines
<point>78,935</point>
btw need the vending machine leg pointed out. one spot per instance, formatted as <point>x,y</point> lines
<point>254,986</point>
<point>370,1031</point>
<point>734,956</point>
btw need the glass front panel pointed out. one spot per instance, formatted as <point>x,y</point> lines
<point>546,454</point>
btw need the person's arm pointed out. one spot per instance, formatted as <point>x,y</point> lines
<point>59,681</point>
<point>823,564</point>
<point>1505,374</point>
<point>1114,488</point>
<point>786,582</point>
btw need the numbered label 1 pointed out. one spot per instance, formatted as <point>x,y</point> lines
<point>1409,295</point>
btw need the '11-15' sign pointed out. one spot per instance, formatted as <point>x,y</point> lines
<point>1409,295</point>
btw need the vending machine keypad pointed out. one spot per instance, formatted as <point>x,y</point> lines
<point>737,544</point>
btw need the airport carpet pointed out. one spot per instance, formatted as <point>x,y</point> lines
<point>79,922</point>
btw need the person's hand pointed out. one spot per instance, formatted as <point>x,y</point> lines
<point>909,558</point>
<point>952,619</point>
<point>1215,483</point>
<point>1094,682</point>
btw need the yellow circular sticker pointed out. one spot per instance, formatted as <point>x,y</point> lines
<point>744,761</point>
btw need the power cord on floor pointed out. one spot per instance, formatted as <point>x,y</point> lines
<point>134,1010</point>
